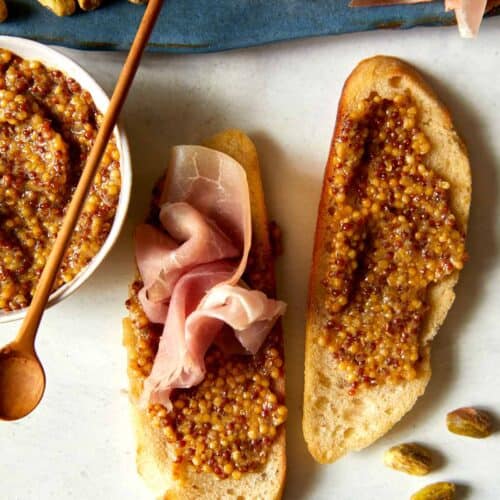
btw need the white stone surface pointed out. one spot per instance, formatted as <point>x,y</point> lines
<point>78,443</point>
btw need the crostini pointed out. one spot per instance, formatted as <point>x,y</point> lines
<point>203,335</point>
<point>389,245</point>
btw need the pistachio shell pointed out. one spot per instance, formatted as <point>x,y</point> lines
<point>410,458</point>
<point>469,422</point>
<point>435,491</point>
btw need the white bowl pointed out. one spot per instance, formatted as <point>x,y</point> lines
<point>28,49</point>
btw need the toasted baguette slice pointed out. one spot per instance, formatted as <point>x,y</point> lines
<point>154,463</point>
<point>335,422</point>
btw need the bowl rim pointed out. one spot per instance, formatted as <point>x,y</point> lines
<point>52,58</point>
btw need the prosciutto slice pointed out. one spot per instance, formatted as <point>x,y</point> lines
<point>248,312</point>
<point>469,14</point>
<point>179,359</point>
<point>217,186</point>
<point>192,269</point>
<point>162,258</point>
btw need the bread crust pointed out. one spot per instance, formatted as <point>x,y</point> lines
<point>335,423</point>
<point>166,479</point>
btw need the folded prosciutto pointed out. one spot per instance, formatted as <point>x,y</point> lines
<point>192,270</point>
<point>469,13</point>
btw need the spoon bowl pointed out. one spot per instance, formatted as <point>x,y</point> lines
<point>22,382</point>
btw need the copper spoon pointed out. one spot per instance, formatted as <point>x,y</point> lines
<point>22,378</point>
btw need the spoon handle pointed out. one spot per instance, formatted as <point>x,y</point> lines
<point>29,327</point>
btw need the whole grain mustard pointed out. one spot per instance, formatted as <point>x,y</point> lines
<point>391,234</point>
<point>48,124</point>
